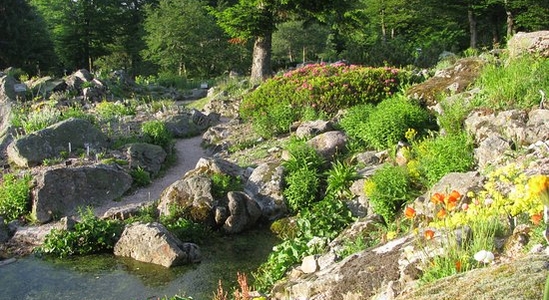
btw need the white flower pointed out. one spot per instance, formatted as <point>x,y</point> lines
<point>484,256</point>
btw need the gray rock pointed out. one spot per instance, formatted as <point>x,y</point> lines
<point>491,151</point>
<point>193,193</point>
<point>328,144</point>
<point>219,166</point>
<point>265,186</point>
<point>529,43</point>
<point>182,126</point>
<point>153,243</point>
<point>124,212</point>
<point>313,128</point>
<point>7,98</point>
<point>61,191</point>
<point>244,213</point>
<point>32,149</point>
<point>146,156</point>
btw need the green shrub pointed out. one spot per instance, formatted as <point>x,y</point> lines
<point>302,156</point>
<point>354,118</point>
<point>302,188</point>
<point>109,110</point>
<point>451,121</point>
<point>90,235</point>
<point>389,121</point>
<point>222,184</point>
<point>444,154</point>
<point>322,88</point>
<point>140,177</point>
<point>39,119</point>
<point>388,189</point>
<point>179,223</point>
<point>157,133</point>
<point>339,179</point>
<point>14,196</point>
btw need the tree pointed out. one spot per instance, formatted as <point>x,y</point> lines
<point>295,41</point>
<point>24,42</point>
<point>257,20</point>
<point>183,38</point>
<point>82,30</point>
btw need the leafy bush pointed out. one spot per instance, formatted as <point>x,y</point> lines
<point>354,118</point>
<point>157,133</point>
<point>339,179</point>
<point>322,88</point>
<point>389,121</point>
<point>302,156</point>
<point>32,120</point>
<point>302,188</point>
<point>444,154</point>
<point>90,235</point>
<point>14,196</point>
<point>140,177</point>
<point>178,223</point>
<point>222,184</point>
<point>108,110</point>
<point>388,189</point>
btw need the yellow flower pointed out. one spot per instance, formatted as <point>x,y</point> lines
<point>539,185</point>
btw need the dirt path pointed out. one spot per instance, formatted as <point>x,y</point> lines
<point>188,152</point>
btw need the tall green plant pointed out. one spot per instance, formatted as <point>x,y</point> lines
<point>14,196</point>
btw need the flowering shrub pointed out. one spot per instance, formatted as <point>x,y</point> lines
<point>324,88</point>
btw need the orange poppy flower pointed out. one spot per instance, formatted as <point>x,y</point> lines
<point>536,218</point>
<point>429,234</point>
<point>441,214</point>
<point>458,265</point>
<point>437,198</point>
<point>409,212</point>
<point>455,195</point>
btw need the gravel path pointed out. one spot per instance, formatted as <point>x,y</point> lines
<point>188,153</point>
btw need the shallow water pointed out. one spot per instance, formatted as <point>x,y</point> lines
<point>107,277</point>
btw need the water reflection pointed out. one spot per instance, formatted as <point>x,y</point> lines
<point>108,277</point>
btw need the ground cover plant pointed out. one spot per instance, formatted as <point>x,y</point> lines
<point>15,196</point>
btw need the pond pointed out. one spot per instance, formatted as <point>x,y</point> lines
<point>107,277</point>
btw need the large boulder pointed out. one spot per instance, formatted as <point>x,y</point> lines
<point>192,193</point>
<point>149,157</point>
<point>328,144</point>
<point>61,191</point>
<point>7,97</point>
<point>265,186</point>
<point>243,212</point>
<point>32,149</point>
<point>153,243</point>
<point>529,43</point>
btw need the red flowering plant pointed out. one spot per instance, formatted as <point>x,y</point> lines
<point>325,88</point>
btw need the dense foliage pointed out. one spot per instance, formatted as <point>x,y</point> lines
<point>14,196</point>
<point>280,101</point>
<point>89,235</point>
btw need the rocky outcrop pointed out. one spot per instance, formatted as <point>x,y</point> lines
<point>529,43</point>
<point>60,191</point>
<point>32,149</point>
<point>153,243</point>
<point>146,156</point>
<point>499,133</point>
<point>452,80</point>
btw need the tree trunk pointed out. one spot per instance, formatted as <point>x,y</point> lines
<point>510,20</point>
<point>472,28</point>
<point>261,62</point>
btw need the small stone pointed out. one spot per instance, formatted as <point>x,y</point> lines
<point>309,264</point>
